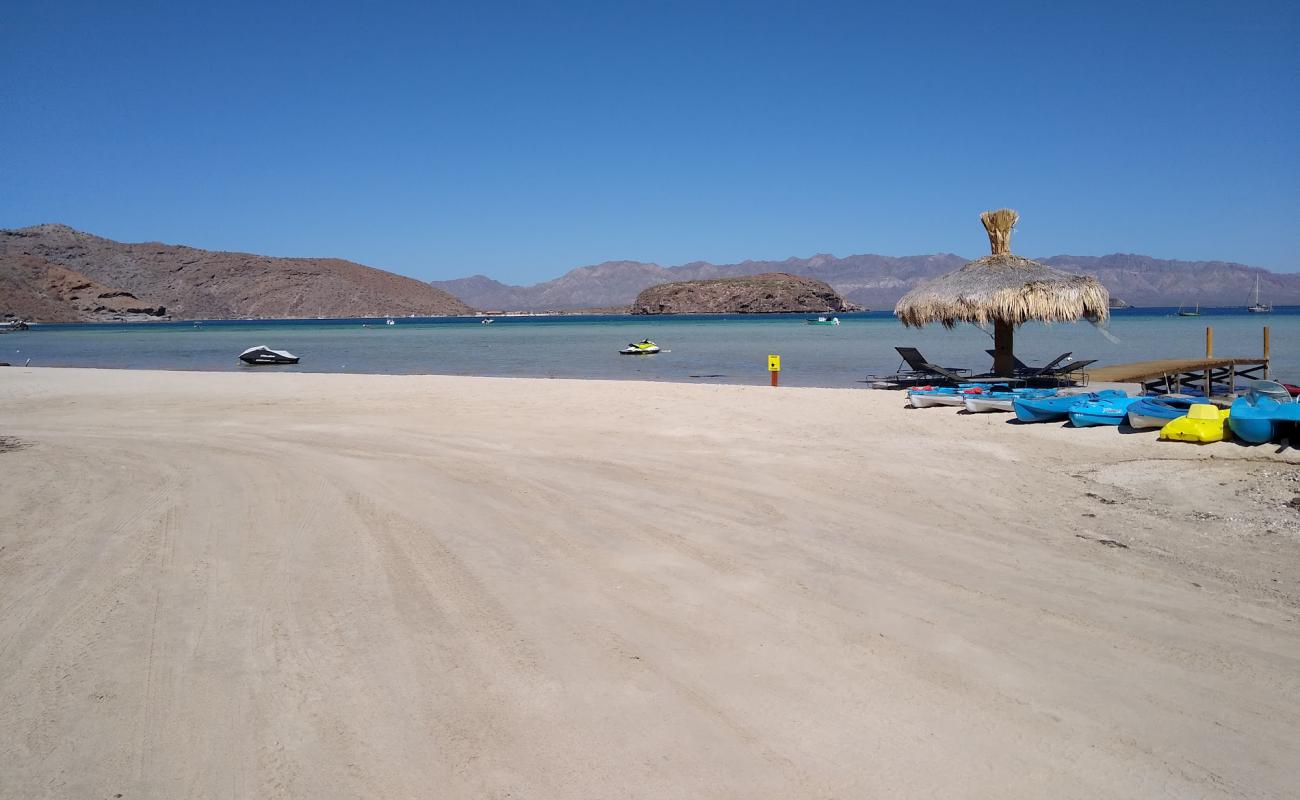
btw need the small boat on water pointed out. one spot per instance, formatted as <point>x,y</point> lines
<point>1002,401</point>
<point>823,321</point>
<point>390,321</point>
<point>1102,411</point>
<point>14,326</point>
<point>1056,408</point>
<point>265,355</point>
<point>1258,307</point>
<point>1203,423</point>
<point>1155,412</point>
<point>1261,414</point>
<point>1182,312</point>
<point>645,347</point>
<point>486,321</point>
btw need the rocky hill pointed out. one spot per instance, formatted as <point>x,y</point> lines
<point>192,283</point>
<point>767,293</point>
<point>876,281</point>
<point>34,289</point>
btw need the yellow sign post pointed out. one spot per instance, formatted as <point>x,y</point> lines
<point>774,367</point>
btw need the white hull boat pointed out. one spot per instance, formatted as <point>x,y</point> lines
<point>265,355</point>
<point>1143,422</point>
<point>927,400</point>
<point>947,399</point>
<point>976,404</point>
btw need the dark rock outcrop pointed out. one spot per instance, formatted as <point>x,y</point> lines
<point>769,293</point>
<point>34,289</point>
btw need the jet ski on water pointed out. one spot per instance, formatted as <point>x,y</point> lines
<point>645,347</point>
<point>265,355</point>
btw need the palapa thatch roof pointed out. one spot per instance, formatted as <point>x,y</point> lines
<point>1004,288</point>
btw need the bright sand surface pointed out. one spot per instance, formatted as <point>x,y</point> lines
<point>263,585</point>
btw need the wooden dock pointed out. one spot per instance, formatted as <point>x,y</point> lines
<point>1169,375</point>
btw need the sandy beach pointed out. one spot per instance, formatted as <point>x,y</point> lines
<point>252,585</point>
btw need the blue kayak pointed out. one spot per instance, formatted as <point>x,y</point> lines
<point>1102,411</point>
<point>1055,409</point>
<point>1259,415</point>
<point>1154,412</point>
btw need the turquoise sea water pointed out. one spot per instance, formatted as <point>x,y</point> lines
<point>723,349</point>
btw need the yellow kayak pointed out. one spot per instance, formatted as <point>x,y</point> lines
<point>1203,423</point>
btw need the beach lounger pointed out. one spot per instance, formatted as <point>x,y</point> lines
<point>1071,372</point>
<point>1026,371</point>
<point>922,371</point>
<point>1010,380</point>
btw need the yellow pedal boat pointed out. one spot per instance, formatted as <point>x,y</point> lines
<point>1203,423</point>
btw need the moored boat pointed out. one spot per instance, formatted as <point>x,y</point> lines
<point>1055,408</point>
<point>1155,412</point>
<point>264,355</point>
<point>824,321</point>
<point>1102,411</point>
<point>1258,307</point>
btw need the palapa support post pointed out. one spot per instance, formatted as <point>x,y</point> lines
<point>1267,371</point>
<point>998,225</point>
<point>1004,359</point>
<point>1209,353</point>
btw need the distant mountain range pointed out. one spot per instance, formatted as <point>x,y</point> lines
<point>877,282</point>
<point>52,273</point>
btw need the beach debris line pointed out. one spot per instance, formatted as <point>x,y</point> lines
<point>1103,540</point>
<point>1006,290</point>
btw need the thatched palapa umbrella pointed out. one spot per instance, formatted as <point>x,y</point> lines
<point>1006,290</point>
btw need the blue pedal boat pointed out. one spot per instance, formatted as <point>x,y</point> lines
<point>1055,409</point>
<point>1102,411</point>
<point>1258,416</point>
<point>1155,412</point>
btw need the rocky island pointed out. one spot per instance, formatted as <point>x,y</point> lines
<point>768,293</point>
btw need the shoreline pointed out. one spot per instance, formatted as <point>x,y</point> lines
<point>319,585</point>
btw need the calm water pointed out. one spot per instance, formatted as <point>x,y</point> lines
<point>729,349</point>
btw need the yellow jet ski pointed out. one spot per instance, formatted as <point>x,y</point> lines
<point>645,347</point>
<point>1203,423</point>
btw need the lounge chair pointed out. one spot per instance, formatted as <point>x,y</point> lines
<point>1068,372</point>
<point>988,377</point>
<point>922,370</point>
<point>1023,370</point>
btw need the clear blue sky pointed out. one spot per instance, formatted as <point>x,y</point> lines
<point>519,140</point>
